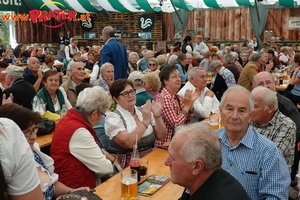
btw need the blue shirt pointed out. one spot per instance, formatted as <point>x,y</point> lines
<point>257,164</point>
<point>182,73</point>
<point>296,89</point>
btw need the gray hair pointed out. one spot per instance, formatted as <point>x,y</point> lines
<point>134,54</point>
<point>254,57</point>
<point>234,55</point>
<point>30,58</point>
<point>75,63</point>
<point>172,59</point>
<point>268,96</point>
<point>237,89</point>
<point>193,72</point>
<point>201,143</point>
<point>214,65</point>
<point>93,98</point>
<point>228,57</point>
<point>109,30</point>
<point>103,67</point>
<point>259,74</point>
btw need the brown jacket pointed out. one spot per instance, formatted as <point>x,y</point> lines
<point>247,74</point>
<point>70,91</point>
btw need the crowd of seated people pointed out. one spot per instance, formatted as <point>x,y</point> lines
<point>159,92</point>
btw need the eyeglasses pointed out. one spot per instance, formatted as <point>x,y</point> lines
<point>29,132</point>
<point>102,113</point>
<point>152,64</point>
<point>126,93</point>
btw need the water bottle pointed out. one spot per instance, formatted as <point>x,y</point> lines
<point>63,111</point>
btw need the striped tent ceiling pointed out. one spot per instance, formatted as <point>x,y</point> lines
<point>84,6</point>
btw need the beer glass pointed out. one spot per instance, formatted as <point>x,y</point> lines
<point>214,121</point>
<point>129,184</point>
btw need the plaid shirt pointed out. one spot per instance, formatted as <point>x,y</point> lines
<point>282,131</point>
<point>171,114</point>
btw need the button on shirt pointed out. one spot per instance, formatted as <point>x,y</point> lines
<point>282,131</point>
<point>257,164</point>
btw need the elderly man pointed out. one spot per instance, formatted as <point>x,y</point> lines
<point>270,122</point>
<point>22,91</point>
<point>143,63</point>
<point>180,63</point>
<point>207,102</point>
<point>76,78</point>
<point>114,52</point>
<point>251,158</point>
<point>33,73</point>
<point>250,70</point>
<point>142,96</point>
<point>191,165</point>
<point>285,106</point>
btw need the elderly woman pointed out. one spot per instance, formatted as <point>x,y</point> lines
<point>51,97</point>
<point>10,58</point>
<point>176,110</point>
<point>223,80</point>
<point>152,83</point>
<point>129,125</point>
<point>77,156</point>
<point>152,66</point>
<point>27,120</point>
<point>105,77</point>
<point>132,62</point>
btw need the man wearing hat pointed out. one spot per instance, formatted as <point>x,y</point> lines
<point>22,91</point>
<point>142,96</point>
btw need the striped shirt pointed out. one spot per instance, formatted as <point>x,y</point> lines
<point>257,164</point>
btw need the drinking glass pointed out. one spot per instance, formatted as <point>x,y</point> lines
<point>129,184</point>
<point>144,167</point>
<point>214,121</point>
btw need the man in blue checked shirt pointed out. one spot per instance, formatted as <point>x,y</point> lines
<point>248,156</point>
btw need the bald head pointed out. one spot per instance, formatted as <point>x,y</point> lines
<point>264,79</point>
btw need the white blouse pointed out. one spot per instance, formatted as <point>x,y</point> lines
<point>114,124</point>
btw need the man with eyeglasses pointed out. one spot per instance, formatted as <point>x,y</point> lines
<point>207,102</point>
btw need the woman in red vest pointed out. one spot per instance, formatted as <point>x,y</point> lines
<point>74,148</point>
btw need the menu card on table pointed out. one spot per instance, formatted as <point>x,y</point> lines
<point>151,184</point>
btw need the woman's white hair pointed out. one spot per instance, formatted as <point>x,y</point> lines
<point>93,98</point>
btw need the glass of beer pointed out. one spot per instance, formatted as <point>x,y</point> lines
<point>214,121</point>
<point>209,76</point>
<point>129,184</point>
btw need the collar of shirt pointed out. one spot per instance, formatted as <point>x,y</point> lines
<point>108,40</point>
<point>247,139</point>
<point>140,90</point>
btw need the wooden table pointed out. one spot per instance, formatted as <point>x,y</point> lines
<point>282,88</point>
<point>44,140</point>
<point>111,189</point>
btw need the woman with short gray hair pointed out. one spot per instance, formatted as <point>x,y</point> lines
<point>132,62</point>
<point>74,148</point>
<point>223,79</point>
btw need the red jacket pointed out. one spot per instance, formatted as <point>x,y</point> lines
<point>71,171</point>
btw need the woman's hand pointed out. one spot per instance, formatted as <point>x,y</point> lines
<point>157,105</point>
<point>81,188</point>
<point>195,94</point>
<point>146,112</point>
<point>108,80</point>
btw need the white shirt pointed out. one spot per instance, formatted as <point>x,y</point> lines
<point>204,105</point>
<point>17,160</point>
<point>94,74</point>
<point>83,147</point>
<point>114,124</point>
<point>200,46</point>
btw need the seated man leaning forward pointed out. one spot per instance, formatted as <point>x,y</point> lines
<point>78,159</point>
<point>201,158</point>
<point>251,158</point>
<point>207,102</point>
<point>271,123</point>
